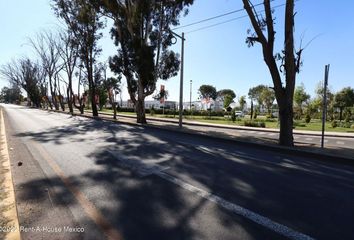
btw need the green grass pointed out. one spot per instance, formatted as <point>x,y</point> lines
<point>314,125</point>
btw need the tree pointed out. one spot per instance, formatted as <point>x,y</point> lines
<point>301,97</point>
<point>46,46</point>
<point>226,92</point>
<point>83,21</point>
<point>142,33</point>
<point>255,95</point>
<point>207,92</point>
<point>290,60</point>
<point>112,86</point>
<point>330,99</point>
<point>242,102</point>
<point>344,99</point>
<point>68,51</point>
<point>267,98</point>
<point>228,99</point>
<point>28,75</point>
<point>11,94</point>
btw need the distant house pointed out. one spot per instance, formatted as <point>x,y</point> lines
<point>151,104</point>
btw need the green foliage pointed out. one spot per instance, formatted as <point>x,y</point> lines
<point>28,75</point>
<point>255,114</point>
<point>300,95</point>
<point>259,124</point>
<point>84,23</point>
<point>227,100</point>
<point>242,102</point>
<point>352,126</point>
<point>207,92</point>
<point>334,124</point>
<point>142,33</point>
<point>307,118</point>
<point>152,111</point>
<point>11,95</point>
<point>226,92</point>
<point>344,99</point>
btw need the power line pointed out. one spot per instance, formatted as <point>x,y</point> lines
<point>231,20</point>
<point>215,17</point>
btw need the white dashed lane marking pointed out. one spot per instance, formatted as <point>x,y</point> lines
<point>340,143</point>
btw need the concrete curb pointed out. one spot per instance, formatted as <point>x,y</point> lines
<point>270,130</point>
<point>11,230</point>
<point>298,151</point>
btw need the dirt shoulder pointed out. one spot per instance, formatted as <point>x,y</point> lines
<point>9,226</point>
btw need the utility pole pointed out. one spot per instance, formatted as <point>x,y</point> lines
<point>181,79</point>
<point>324,112</point>
<point>190,96</point>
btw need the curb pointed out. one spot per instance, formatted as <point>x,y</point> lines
<point>298,151</point>
<point>270,130</point>
<point>11,229</point>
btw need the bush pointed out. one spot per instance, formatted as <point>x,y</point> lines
<point>255,114</point>
<point>347,118</point>
<point>152,112</point>
<point>307,118</point>
<point>254,124</point>
<point>347,125</point>
<point>352,126</point>
<point>334,124</point>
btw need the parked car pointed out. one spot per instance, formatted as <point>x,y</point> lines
<point>239,114</point>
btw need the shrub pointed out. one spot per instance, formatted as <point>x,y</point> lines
<point>152,111</point>
<point>254,124</point>
<point>255,114</point>
<point>334,124</point>
<point>307,118</point>
<point>352,126</point>
<point>347,118</point>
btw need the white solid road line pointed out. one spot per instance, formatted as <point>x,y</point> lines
<point>141,168</point>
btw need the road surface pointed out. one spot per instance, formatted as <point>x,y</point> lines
<point>87,179</point>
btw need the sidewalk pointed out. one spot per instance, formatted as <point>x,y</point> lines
<point>345,155</point>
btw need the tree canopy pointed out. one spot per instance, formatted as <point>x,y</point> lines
<point>207,92</point>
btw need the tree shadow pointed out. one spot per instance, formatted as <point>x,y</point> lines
<point>148,207</point>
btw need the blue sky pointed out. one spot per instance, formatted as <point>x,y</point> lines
<point>218,56</point>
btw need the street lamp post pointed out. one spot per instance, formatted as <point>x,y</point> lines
<point>190,96</point>
<point>181,79</point>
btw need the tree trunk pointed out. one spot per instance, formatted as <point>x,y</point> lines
<point>70,98</point>
<point>340,114</point>
<point>114,110</point>
<point>140,111</point>
<point>286,124</point>
<point>61,101</point>
<point>140,104</point>
<point>94,106</point>
<point>251,109</point>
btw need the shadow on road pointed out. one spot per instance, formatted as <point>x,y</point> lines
<point>151,208</point>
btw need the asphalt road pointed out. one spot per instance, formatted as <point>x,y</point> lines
<point>125,182</point>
